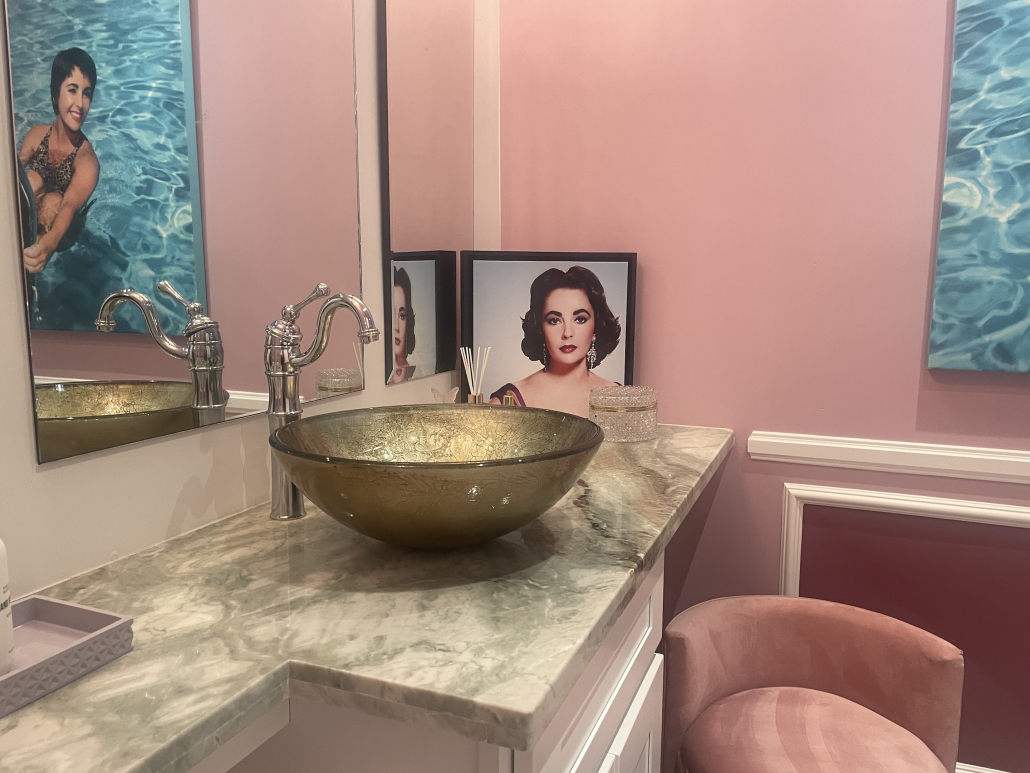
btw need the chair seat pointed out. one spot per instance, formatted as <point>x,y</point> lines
<point>795,730</point>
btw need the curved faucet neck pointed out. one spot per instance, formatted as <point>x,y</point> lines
<point>283,362</point>
<point>367,331</point>
<point>105,320</point>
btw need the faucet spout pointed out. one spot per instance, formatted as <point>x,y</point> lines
<point>105,320</point>
<point>283,362</point>
<point>367,330</point>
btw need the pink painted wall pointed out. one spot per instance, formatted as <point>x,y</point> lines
<point>279,160</point>
<point>275,103</point>
<point>775,167</point>
<point>429,66</point>
<point>103,356</point>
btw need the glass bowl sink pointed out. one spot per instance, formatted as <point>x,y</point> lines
<point>436,476</point>
<point>81,416</point>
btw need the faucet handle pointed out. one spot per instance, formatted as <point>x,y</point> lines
<point>291,312</point>
<point>193,309</point>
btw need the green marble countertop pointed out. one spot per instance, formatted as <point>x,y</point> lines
<point>486,642</point>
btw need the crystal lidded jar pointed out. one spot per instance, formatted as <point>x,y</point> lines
<point>334,381</point>
<point>625,413</point>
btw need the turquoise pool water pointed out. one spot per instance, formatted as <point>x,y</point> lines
<point>981,310</point>
<point>141,229</point>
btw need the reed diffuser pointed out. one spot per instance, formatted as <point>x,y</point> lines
<point>475,371</point>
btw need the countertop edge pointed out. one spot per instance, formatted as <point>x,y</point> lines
<point>201,739</point>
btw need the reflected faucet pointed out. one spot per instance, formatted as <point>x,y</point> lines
<point>203,350</point>
<point>283,362</point>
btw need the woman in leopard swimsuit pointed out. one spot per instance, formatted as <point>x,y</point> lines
<point>59,161</point>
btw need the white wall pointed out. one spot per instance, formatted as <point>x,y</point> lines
<point>65,517</point>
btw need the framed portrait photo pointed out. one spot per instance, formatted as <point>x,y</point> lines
<point>104,130</point>
<point>558,324</point>
<point>421,292</point>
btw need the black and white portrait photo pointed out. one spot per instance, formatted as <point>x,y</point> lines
<point>421,297</point>
<point>558,324</point>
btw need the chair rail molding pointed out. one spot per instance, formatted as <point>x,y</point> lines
<point>797,495</point>
<point>968,462</point>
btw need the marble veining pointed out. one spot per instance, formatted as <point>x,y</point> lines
<point>488,642</point>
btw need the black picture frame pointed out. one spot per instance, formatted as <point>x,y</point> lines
<point>445,277</point>
<point>473,259</point>
<point>383,127</point>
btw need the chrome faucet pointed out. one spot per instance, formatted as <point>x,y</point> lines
<point>203,350</point>
<point>283,361</point>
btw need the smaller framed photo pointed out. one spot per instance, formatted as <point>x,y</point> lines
<point>421,293</point>
<point>558,324</point>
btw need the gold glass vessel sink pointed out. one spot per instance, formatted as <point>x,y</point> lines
<point>81,416</point>
<point>436,476</point>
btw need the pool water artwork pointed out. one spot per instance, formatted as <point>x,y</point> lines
<point>981,307</point>
<point>144,225</point>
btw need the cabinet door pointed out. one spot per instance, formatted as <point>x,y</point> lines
<point>637,747</point>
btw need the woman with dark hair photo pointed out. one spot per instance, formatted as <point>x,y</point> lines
<point>403,328</point>
<point>59,163</point>
<point>569,329</point>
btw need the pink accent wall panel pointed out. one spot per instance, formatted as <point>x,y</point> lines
<point>776,168</point>
<point>968,583</point>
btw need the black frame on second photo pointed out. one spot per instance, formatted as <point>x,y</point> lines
<point>558,324</point>
<point>420,289</point>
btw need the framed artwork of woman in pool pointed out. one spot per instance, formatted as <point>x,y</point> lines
<point>558,324</point>
<point>104,132</point>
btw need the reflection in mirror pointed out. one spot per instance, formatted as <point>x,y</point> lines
<point>116,170</point>
<point>424,315</point>
<point>429,67</point>
<point>426,142</point>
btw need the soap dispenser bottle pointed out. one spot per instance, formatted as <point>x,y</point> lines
<point>6,622</point>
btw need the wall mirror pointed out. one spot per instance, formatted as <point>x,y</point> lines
<point>214,149</point>
<point>426,125</point>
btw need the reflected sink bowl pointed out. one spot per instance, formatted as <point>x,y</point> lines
<point>82,416</point>
<point>436,476</point>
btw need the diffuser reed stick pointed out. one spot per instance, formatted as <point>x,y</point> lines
<point>475,370</point>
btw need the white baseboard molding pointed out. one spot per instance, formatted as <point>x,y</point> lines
<point>969,462</point>
<point>238,401</point>
<point>796,496</point>
<point>964,768</point>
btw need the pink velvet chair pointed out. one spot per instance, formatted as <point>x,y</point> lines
<point>776,684</point>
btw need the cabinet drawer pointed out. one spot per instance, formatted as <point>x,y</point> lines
<point>637,747</point>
